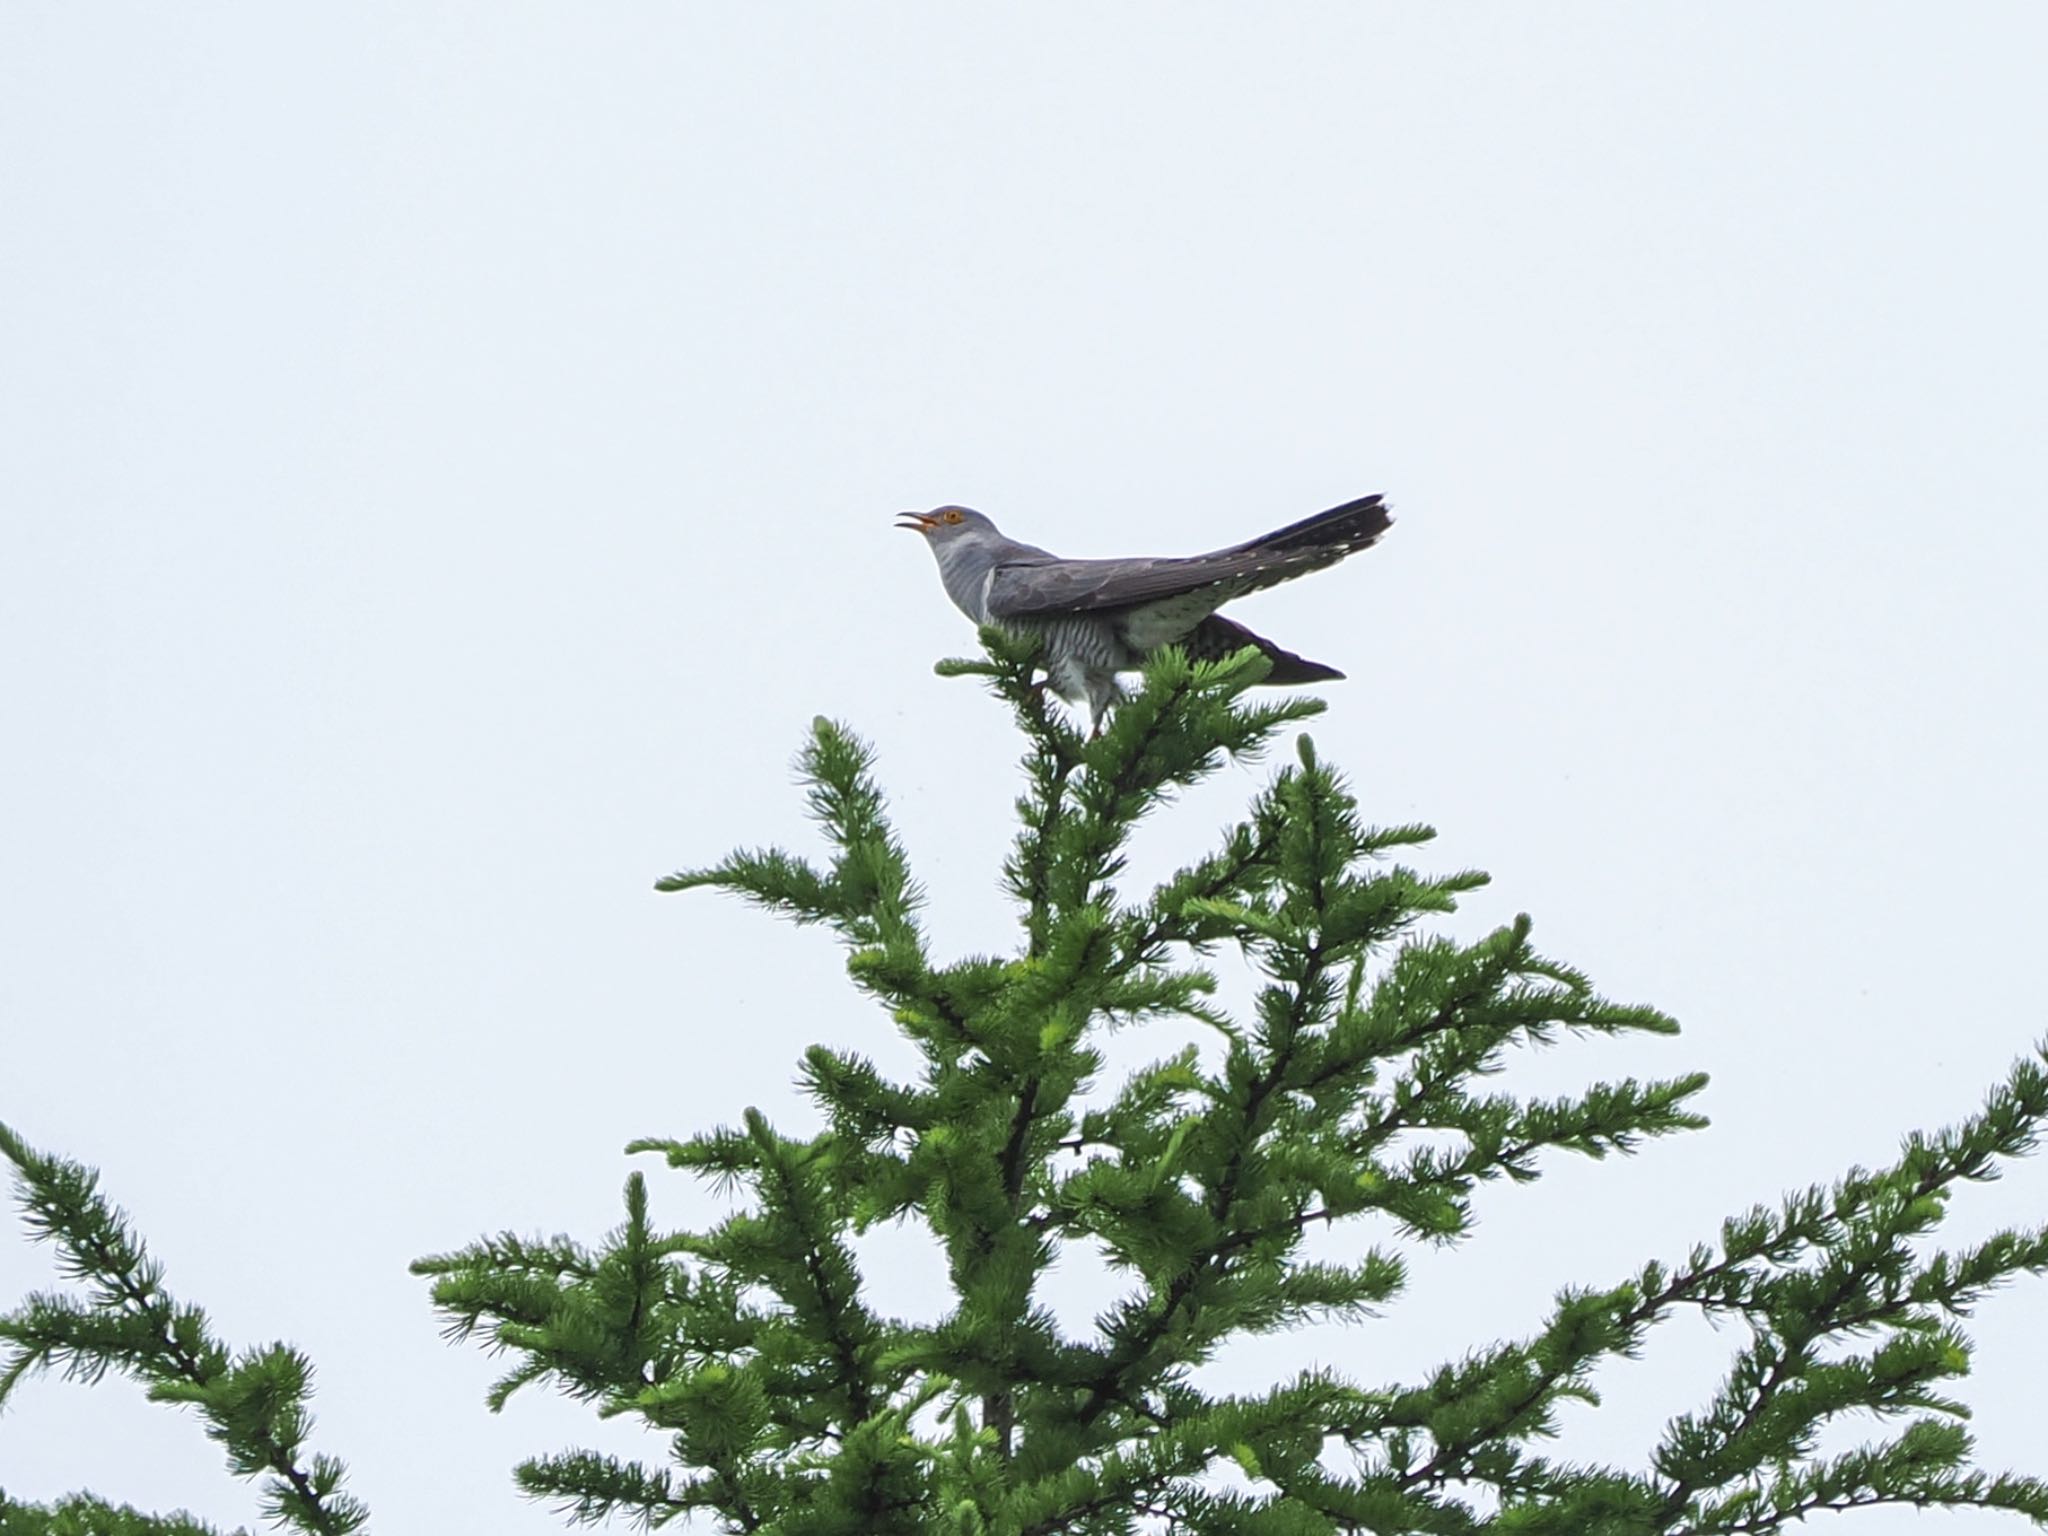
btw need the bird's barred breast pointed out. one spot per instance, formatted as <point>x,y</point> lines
<point>1087,642</point>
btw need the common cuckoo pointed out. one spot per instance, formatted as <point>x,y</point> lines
<point>1102,617</point>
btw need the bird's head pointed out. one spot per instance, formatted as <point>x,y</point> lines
<point>945,525</point>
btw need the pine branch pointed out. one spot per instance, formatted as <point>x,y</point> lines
<point>83,1515</point>
<point>867,895</point>
<point>588,1488</point>
<point>253,1405</point>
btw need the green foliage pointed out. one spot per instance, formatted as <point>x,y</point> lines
<point>83,1515</point>
<point>1356,1094</point>
<point>253,1405</point>
<point>1358,1097</point>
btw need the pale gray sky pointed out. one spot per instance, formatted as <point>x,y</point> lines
<point>448,454</point>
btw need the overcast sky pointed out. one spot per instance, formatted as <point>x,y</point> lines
<point>448,453</point>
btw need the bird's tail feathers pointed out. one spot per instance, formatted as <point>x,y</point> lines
<point>1340,531</point>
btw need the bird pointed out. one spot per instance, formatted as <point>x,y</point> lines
<point>1102,617</point>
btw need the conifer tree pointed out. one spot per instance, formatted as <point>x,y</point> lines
<point>1360,1097</point>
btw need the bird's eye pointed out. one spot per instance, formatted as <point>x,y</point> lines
<point>954,516</point>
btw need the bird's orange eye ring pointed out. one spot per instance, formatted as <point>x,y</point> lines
<point>953,516</point>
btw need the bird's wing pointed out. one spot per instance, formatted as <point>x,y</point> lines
<point>1038,587</point>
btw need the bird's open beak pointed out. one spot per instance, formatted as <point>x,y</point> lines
<point>916,522</point>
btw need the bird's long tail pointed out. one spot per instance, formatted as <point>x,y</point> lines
<point>1340,531</point>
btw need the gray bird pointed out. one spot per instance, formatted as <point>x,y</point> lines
<point>1102,617</point>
